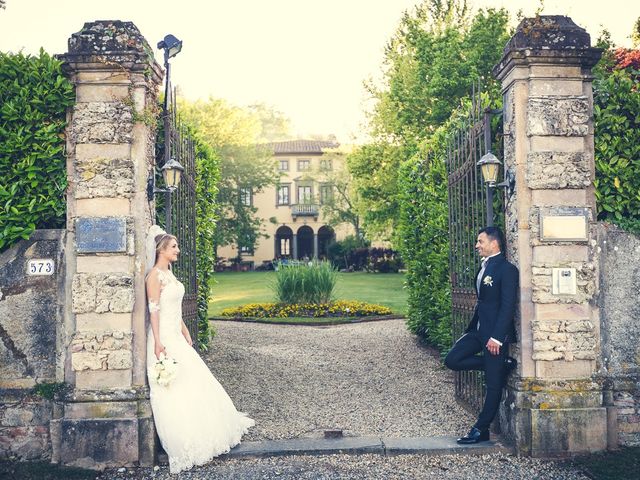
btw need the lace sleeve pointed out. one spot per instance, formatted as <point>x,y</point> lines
<point>154,307</point>
<point>163,278</point>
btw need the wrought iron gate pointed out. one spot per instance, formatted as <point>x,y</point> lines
<point>467,215</point>
<point>183,214</point>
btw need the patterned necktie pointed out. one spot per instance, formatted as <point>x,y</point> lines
<point>479,278</point>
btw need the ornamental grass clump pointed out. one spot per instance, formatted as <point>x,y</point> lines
<point>305,283</point>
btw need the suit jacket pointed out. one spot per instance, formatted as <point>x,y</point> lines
<point>496,305</point>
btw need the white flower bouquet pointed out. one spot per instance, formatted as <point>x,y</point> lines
<point>165,370</point>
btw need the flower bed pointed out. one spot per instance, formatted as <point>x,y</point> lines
<point>340,308</point>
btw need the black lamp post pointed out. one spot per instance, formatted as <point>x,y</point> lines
<point>171,168</point>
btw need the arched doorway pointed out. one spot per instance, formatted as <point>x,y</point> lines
<point>305,242</point>
<point>284,242</point>
<point>326,236</point>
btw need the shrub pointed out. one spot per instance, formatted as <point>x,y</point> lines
<point>616,92</point>
<point>305,283</point>
<point>33,175</point>
<point>341,253</point>
<point>340,308</point>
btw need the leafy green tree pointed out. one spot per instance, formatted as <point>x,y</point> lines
<point>338,205</point>
<point>274,125</point>
<point>437,54</point>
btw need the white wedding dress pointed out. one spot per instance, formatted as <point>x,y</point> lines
<point>195,418</point>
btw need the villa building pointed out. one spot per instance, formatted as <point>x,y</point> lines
<point>291,212</point>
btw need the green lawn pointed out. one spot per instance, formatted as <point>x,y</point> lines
<point>237,288</point>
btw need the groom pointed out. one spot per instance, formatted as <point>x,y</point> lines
<point>490,330</point>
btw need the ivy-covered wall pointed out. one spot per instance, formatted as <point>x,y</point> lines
<point>33,178</point>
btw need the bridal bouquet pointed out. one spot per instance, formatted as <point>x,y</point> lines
<point>165,370</point>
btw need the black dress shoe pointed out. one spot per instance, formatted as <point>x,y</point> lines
<point>510,365</point>
<point>474,436</point>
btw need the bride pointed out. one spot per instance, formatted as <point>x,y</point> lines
<point>195,418</point>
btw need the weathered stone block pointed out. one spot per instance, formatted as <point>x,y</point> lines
<point>119,360</point>
<point>99,443</point>
<point>561,432</point>
<point>550,311</point>
<point>102,293</point>
<point>102,122</point>
<point>558,115</point>
<point>88,360</point>
<point>559,255</point>
<point>103,177</point>
<point>557,170</point>
<point>103,379</point>
<point>106,264</point>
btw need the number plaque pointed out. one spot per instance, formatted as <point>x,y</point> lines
<point>41,266</point>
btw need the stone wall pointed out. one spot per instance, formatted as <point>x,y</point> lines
<point>620,329</point>
<point>31,311</point>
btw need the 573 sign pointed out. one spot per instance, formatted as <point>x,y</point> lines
<point>41,266</point>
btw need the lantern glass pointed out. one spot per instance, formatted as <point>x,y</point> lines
<point>171,45</point>
<point>172,172</point>
<point>489,165</point>
<point>490,172</point>
<point>171,177</point>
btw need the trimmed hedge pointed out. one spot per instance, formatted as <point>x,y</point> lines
<point>33,177</point>
<point>340,308</point>
<point>616,90</point>
<point>424,241</point>
<point>207,178</point>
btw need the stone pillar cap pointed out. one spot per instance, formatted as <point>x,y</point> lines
<point>108,42</point>
<point>548,39</point>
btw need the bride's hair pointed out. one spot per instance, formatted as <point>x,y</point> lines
<point>162,242</point>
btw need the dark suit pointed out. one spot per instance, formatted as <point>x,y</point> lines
<point>492,318</point>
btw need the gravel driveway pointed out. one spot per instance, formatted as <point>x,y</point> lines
<point>370,378</point>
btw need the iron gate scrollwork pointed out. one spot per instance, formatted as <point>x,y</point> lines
<point>467,215</point>
<point>183,213</point>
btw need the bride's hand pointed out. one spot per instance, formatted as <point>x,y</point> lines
<point>159,348</point>
<point>188,338</point>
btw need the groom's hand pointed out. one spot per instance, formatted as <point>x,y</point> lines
<point>493,347</point>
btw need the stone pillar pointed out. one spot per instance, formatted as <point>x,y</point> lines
<point>294,246</point>
<point>104,419</point>
<point>315,245</point>
<point>554,405</point>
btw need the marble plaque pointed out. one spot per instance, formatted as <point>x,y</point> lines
<point>564,228</point>
<point>101,234</point>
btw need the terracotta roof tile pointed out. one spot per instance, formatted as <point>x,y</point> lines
<point>301,146</point>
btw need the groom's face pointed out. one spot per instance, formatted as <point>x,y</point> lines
<point>486,246</point>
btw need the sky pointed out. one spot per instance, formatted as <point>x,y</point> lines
<point>306,58</point>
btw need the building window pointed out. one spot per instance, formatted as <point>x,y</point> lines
<point>304,164</point>
<point>326,165</point>
<point>304,194</point>
<point>283,195</point>
<point>283,166</point>
<point>326,193</point>
<point>246,198</point>
<point>246,247</point>
<point>285,247</point>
